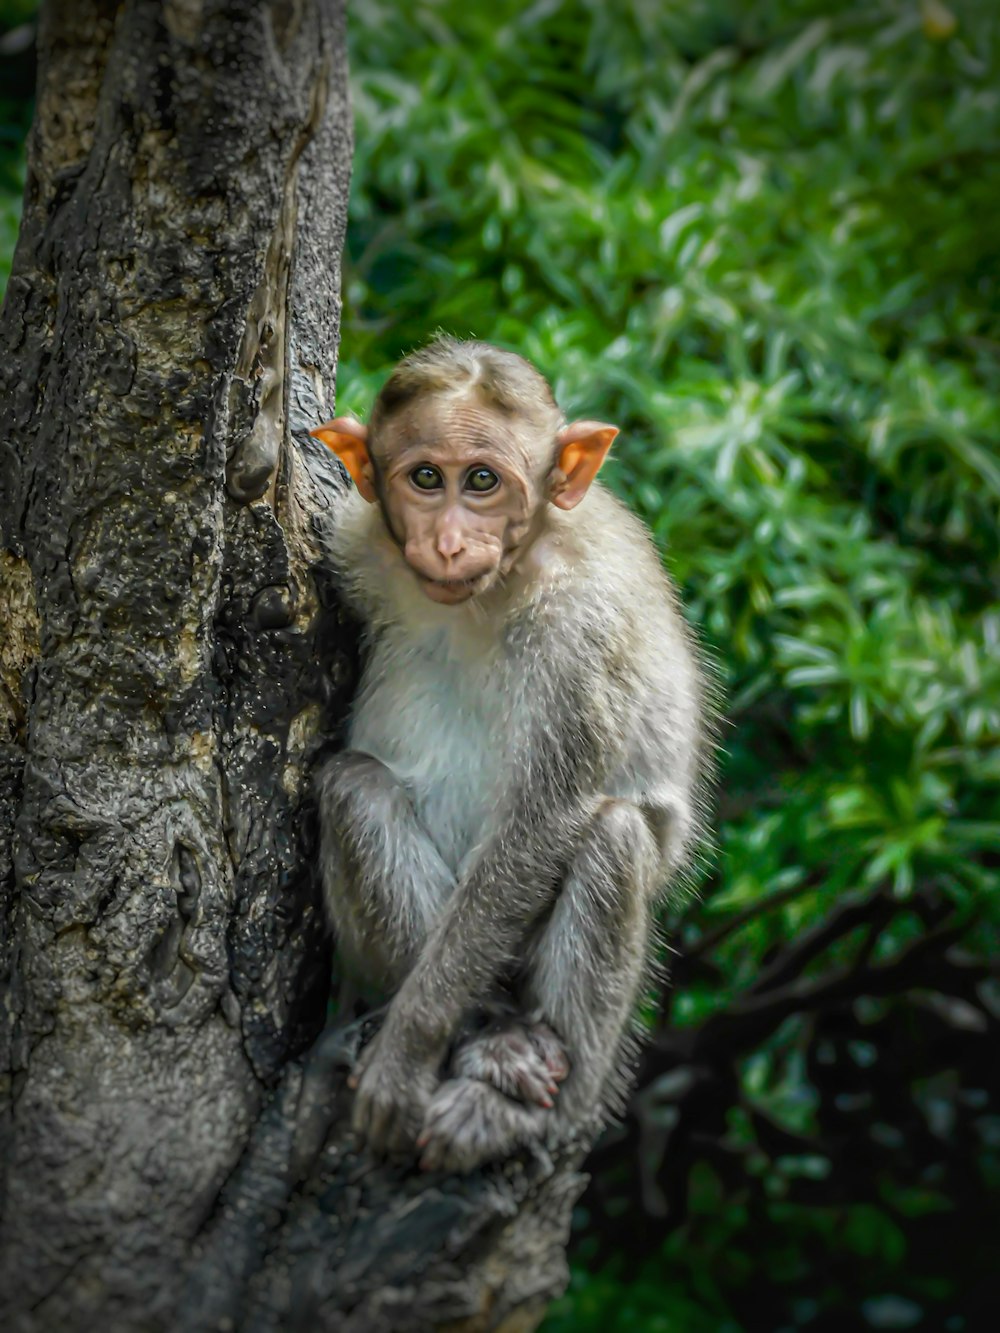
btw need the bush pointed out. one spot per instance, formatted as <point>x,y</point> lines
<point>760,237</point>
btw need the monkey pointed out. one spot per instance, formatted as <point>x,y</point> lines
<point>523,764</point>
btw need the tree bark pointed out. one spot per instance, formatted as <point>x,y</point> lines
<point>174,1148</point>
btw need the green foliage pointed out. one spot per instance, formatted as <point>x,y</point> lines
<point>13,124</point>
<point>761,237</point>
<point>15,112</point>
<point>11,184</point>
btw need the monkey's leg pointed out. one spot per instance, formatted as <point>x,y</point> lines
<point>383,878</point>
<point>587,963</point>
<point>581,980</point>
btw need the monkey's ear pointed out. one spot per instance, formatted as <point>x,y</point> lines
<point>583,446</point>
<point>349,441</point>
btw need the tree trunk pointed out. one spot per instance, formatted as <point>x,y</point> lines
<point>175,1156</point>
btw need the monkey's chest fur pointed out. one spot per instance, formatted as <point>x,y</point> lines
<point>432,709</point>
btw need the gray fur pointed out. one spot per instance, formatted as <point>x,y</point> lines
<point>469,1122</point>
<point>521,786</point>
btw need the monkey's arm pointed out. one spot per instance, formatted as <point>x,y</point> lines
<point>383,878</point>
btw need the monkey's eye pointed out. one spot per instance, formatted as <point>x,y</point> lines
<point>481,479</point>
<point>426,478</point>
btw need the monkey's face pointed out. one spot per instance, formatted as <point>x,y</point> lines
<point>457,494</point>
<point>463,484</point>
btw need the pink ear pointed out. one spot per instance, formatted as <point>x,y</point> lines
<point>349,441</point>
<point>583,447</point>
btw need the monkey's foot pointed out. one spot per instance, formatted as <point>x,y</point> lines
<point>522,1060</point>
<point>469,1122</point>
<point>526,1061</point>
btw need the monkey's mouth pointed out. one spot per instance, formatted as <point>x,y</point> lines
<point>452,591</point>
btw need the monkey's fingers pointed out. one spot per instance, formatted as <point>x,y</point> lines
<point>533,1084</point>
<point>522,1074</point>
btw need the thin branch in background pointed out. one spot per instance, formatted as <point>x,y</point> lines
<point>706,943</point>
<point>753,1014</point>
<point>877,909</point>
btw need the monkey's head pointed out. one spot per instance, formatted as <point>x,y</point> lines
<point>464,452</point>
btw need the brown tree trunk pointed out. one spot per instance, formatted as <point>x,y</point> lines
<point>172,660</point>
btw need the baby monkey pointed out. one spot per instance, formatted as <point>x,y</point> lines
<point>519,784</point>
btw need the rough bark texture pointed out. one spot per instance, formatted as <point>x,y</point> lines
<point>171,663</point>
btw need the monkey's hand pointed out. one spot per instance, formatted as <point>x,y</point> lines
<point>526,1061</point>
<point>393,1093</point>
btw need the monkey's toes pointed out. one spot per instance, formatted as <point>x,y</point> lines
<point>389,1106</point>
<point>361,1063</point>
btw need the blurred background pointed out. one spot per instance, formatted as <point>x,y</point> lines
<point>763,238</point>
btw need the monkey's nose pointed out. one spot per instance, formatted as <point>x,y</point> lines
<point>449,543</point>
